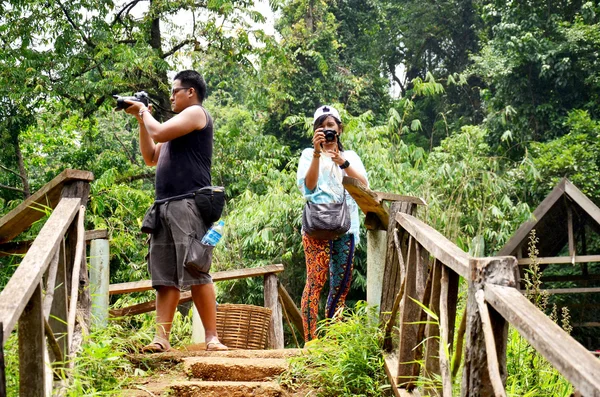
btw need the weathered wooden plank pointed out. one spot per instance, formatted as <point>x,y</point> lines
<point>21,247</point>
<point>437,245</point>
<point>272,302</point>
<point>571,359</point>
<point>444,335</point>
<point>30,210</point>
<point>58,312</point>
<point>560,259</point>
<point>392,271</point>
<point>476,378</point>
<point>31,347</point>
<point>409,317</point>
<point>511,246</point>
<point>367,200</point>
<point>79,255</point>
<point>146,306</point>
<point>398,197</point>
<point>570,233</point>
<point>146,285</point>
<point>96,234</point>
<point>490,345</point>
<point>432,348</point>
<point>583,201</point>
<point>291,309</point>
<point>29,274</point>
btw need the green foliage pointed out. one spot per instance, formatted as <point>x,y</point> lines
<point>346,360</point>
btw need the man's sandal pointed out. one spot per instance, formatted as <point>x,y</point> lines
<point>158,345</point>
<point>216,346</point>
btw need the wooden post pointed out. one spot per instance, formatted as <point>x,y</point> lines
<point>79,189</point>
<point>58,312</point>
<point>392,272</point>
<point>410,314</point>
<point>31,348</point>
<point>476,380</point>
<point>376,247</point>
<point>272,302</point>
<point>432,348</point>
<point>99,281</point>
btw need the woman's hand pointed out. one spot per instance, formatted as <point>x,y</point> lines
<point>318,140</point>
<point>337,157</point>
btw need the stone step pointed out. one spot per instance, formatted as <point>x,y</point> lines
<point>174,357</point>
<point>234,369</point>
<point>226,388</point>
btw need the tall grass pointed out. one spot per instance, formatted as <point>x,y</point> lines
<point>345,360</point>
<point>102,366</point>
<point>530,374</point>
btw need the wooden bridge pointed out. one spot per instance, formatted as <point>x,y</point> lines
<point>409,262</point>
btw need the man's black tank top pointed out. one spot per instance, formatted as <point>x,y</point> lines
<point>184,163</point>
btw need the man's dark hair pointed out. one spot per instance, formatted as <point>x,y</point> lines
<point>191,78</point>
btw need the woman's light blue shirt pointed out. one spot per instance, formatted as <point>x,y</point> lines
<point>329,187</point>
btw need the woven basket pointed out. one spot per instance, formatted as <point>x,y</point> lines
<point>243,326</point>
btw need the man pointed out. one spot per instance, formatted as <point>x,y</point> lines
<point>181,149</point>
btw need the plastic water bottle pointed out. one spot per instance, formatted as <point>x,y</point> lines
<point>214,234</point>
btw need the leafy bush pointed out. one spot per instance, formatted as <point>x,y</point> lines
<point>346,359</point>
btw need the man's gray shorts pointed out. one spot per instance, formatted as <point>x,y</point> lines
<point>177,222</point>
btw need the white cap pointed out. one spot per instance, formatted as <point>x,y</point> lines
<point>323,110</point>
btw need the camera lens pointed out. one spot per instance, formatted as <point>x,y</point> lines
<point>329,135</point>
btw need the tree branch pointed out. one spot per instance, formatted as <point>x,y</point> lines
<point>11,171</point>
<point>16,189</point>
<point>177,48</point>
<point>77,28</point>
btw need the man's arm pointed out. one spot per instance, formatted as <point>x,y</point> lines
<point>190,119</point>
<point>150,150</point>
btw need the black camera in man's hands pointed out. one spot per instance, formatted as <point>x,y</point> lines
<point>141,96</point>
<point>329,135</point>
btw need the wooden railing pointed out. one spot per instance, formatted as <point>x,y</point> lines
<point>275,296</point>
<point>47,295</point>
<point>422,267</point>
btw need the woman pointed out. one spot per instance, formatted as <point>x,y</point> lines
<point>319,178</point>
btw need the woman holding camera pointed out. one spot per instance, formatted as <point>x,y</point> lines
<point>319,178</point>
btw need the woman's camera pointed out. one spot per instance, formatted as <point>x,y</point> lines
<point>329,135</point>
<point>141,96</point>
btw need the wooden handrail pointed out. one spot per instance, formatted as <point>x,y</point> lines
<point>436,244</point>
<point>21,247</point>
<point>146,285</point>
<point>31,210</point>
<point>567,355</point>
<point>19,289</point>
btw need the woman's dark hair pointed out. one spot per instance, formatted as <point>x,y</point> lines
<point>320,121</point>
<point>191,78</point>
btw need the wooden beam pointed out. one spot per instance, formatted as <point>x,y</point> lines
<point>32,209</point>
<point>291,309</point>
<point>569,357</point>
<point>271,297</point>
<point>28,275</point>
<point>583,201</point>
<point>21,247</point>
<point>476,380</point>
<point>31,347</point>
<point>146,285</point>
<point>560,260</point>
<point>384,196</point>
<point>367,200</point>
<point>570,233</point>
<point>490,345</point>
<point>437,245</point>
